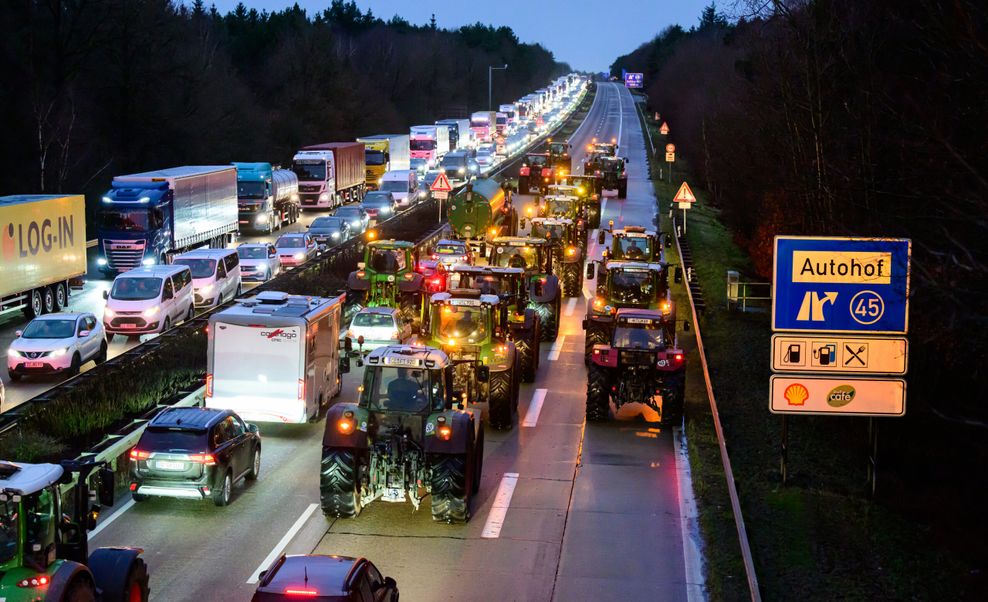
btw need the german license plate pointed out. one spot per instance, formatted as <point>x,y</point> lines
<point>34,364</point>
<point>125,326</point>
<point>394,494</point>
<point>169,465</point>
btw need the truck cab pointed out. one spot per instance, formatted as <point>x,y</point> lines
<point>267,197</point>
<point>134,226</point>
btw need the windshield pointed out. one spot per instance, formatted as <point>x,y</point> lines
<point>201,268</point>
<point>516,257</point>
<point>631,286</point>
<point>638,338</point>
<point>250,190</point>
<point>310,170</point>
<point>422,145</point>
<point>9,518</point>
<point>374,320</point>
<point>557,206</point>
<point>49,329</point>
<point>461,324</point>
<point>558,148</point>
<point>328,223</point>
<point>387,261</point>
<point>536,160</point>
<point>450,249</point>
<point>453,162</point>
<point>394,186</point>
<point>125,220</point>
<point>347,212</point>
<point>486,284</point>
<point>136,289</point>
<point>399,389</point>
<point>373,157</point>
<point>632,248</point>
<point>555,231</point>
<point>290,242</point>
<point>252,252</point>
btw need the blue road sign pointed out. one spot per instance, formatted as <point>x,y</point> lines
<point>841,284</point>
<point>633,80</point>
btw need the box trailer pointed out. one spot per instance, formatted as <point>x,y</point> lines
<point>383,153</point>
<point>275,357</point>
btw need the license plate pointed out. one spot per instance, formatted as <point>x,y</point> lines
<point>169,465</point>
<point>34,364</point>
<point>126,326</point>
<point>394,494</point>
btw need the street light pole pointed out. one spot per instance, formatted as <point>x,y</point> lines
<point>490,74</point>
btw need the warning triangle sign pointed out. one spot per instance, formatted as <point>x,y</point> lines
<point>441,184</point>
<point>685,195</point>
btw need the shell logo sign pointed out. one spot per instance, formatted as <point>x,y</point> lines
<point>796,394</point>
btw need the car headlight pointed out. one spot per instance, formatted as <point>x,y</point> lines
<point>462,170</point>
<point>101,261</point>
<point>206,289</point>
<point>355,223</point>
<point>151,311</point>
<point>385,210</point>
<point>59,352</point>
<point>148,261</point>
<point>335,235</point>
<point>324,196</point>
<point>299,256</point>
<point>263,218</point>
<point>13,353</point>
<point>108,313</point>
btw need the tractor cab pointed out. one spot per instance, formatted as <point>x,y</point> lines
<point>633,243</point>
<point>527,253</point>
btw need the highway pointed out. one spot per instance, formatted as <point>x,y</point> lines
<point>566,510</point>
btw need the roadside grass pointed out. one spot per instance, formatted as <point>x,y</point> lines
<point>820,537</point>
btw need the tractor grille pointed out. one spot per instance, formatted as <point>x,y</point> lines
<point>123,255</point>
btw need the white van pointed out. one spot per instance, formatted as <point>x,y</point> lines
<point>148,300</point>
<point>403,184</point>
<point>215,274</point>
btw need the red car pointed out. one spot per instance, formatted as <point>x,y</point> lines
<point>435,274</point>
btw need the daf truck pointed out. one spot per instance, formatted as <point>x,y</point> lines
<point>42,248</point>
<point>146,218</point>
<point>428,144</point>
<point>275,357</point>
<point>267,197</point>
<point>460,136</point>
<point>384,153</point>
<point>330,174</point>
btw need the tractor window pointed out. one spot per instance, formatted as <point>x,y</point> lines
<point>386,261</point>
<point>559,206</point>
<point>390,389</point>
<point>462,324</point>
<point>631,286</point>
<point>9,518</point>
<point>638,338</point>
<point>632,248</point>
<point>40,512</point>
<point>516,257</point>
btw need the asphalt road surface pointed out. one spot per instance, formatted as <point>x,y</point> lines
<point>566,510</point>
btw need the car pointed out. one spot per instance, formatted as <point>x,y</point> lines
<point>403,184</point>
<point>324,578</point>
<point>458,167</point>
<point>148,300</point>
<point>215,275</point>
<point>296,248</point>
<point>486,155</point>
<point>379,205</point>
<point>194,453</point>
<point>259,261</point>
<point>374,327</point>
<point>356,216</point>
<point>56,343</point>
<point>330,231</point>
<point>435,274</point>
<point>452,252</point>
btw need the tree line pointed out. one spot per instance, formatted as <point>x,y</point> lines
<point>94,88</point>
<point>847,118</point>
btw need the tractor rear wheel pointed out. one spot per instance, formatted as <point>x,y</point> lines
<point>339,483</point>
<point>595,336</point>
<point>450,488</point>
<point>673,401</point>
<point>571,279</point>
<point>598,394</point>
<point>502,393</point>
<point>549,315</point>
<point>80,590</point>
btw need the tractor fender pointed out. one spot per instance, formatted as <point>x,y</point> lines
<point>111,568</point>
<point>66,574</point>
<point>411,285</point>
<point>550,290</point>
<point>530,319</point>
<point>459,442</point>
<point>604,356</point>
<point>355,283</point>
<point>598,320</point>
<point>357,438</point>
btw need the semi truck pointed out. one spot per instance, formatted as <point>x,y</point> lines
<point>460,135</point>
<point>267,197</point>
<point>275,357</point>
<point>509,112</point>
<point>428,144</point>
<point>145,218</point>
<point>330,174</point>
<point>479,211</point>
<point>384,153</point>
<point>42,248</point>
<point>482,124</point>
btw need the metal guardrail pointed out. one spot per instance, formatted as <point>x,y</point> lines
<point>740,294</point>
<point>749,565</point>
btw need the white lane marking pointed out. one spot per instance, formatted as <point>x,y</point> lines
<point>499,509</point>
<point>281,545</point>
<point>570,306</point>
<point>603,207</point>
<point>557,348</point>
<point>688,524</point>
<point>620,116</point>
<point>535,408</point>
<point>106,522</point>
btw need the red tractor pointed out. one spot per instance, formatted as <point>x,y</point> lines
<point>535,172</point>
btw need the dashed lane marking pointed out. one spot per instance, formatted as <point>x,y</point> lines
<point>499,509</point>
<point>535,408</point>
<point>570,306</point>
<point>106,522</point>
<point>557,348</point>
<point>281,545</point>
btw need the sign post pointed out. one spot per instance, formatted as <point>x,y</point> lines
<point>664,129</point>
<point>440,189</point>
<point>835,303</point>
<point>685,198</point>
<point>670,158</point>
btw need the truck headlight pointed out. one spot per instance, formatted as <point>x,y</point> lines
<point>355,223</point>
<point>324,196</point>
<point>101,261</point>
<point>294,196</point>
<point>335,235</point>
<point>263,218</point>
<point>148,261</point>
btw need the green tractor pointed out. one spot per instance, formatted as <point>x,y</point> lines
<point>480,211</point>
<point>568,240</point>
<point>408,436</point>
<point>387,278</point>
<point>635,284</point>
<point>613,174</point>
<point>633,243</point>
<point>534,256</point>
<point>563,206</point>
<point>520,321</point>
<point>559,157</point>
<point>469,328</point>
<point>44,540</point>
<point>585,188</point>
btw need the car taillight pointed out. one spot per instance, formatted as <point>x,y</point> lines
<point>207,459</point>
<point>209,385</point>
<point>301,591</point>
<point>679,357</point>
<point>136,454</point>
<point>301,389</point>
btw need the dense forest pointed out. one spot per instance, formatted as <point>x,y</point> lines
<point>93,88</point>
<point>848,118</point>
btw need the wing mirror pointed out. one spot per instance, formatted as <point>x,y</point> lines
<point>347,344</point>
<point>361,265</point>
<point>105,486</point>
<point>483,373</point>
<point>686,326</point>
<point>18,333</point>
<point>106,294</point>
<point>600,237</point>
<point>591,270</point>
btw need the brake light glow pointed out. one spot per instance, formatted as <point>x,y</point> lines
<point>299,591</point>
<point>39,581</point>
<point>136,454</point>
<point>445,432</point>
<point>679,357</point>
<point>209,385</point>
<point>346,424</point>
<point>207,459</point>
